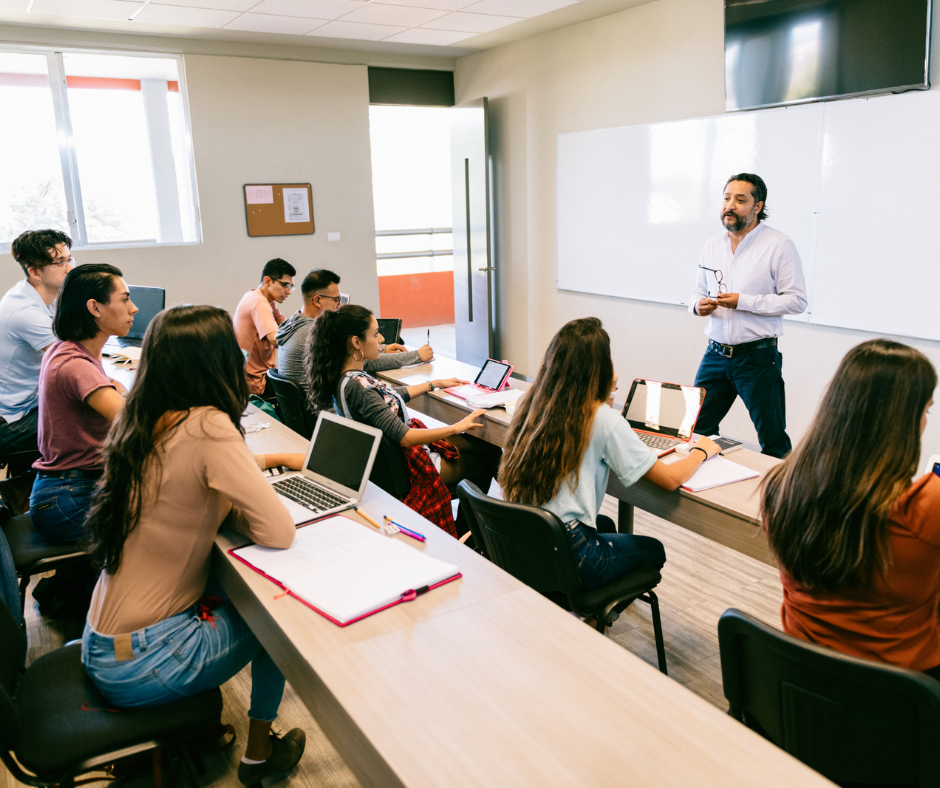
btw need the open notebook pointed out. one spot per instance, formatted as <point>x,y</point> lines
<point>345,571</point>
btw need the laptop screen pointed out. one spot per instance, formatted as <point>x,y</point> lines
<point>341,453</point>
<point>665,408</point>
<point>149,300</point>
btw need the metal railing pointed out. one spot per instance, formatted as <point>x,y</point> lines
<point>423,253</point>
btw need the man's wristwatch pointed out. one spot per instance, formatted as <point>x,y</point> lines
<point>430,385</point>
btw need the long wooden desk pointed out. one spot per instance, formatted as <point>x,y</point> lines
<point>483,682</point>
<point>727,515</point>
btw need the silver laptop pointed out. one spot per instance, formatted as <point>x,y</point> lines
<point>663,415</point>
<point>336,470</point>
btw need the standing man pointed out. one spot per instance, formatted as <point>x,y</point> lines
<point>256,320</point>
<point>26,313</point>
<point>320,290</point>
<point>748,278</point>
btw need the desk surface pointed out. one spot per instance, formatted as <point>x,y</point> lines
<point>728,515</point>
<point>485,682</point>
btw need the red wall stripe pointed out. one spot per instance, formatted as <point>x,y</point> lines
<point>96,83</point>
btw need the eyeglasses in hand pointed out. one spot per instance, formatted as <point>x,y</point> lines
<point>722,288</point>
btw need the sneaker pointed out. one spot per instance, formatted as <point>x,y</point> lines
<point>285,754</point>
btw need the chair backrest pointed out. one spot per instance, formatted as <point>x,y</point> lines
<point>529,543</point>
<point>292,403</point>
<point>389,471</point>
<point>852,720</point>
<point>11,640</point>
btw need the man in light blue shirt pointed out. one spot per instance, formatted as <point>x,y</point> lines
<point>26,313</point>
<point>749,277</point>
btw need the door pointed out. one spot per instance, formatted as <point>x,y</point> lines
<point>474,280</point>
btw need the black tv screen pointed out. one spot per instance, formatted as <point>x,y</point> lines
<point>793,51</point>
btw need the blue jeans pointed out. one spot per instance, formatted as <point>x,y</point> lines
<point>57,508</point>
<point>20,435</point>
<point>9,589</point>
<point>756,378</point>
<point>183,656</point>
<point>605,557</point>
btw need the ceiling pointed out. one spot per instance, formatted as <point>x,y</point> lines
<point>449,28</point>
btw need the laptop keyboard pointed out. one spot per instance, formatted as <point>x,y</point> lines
<point>658,441</point>
<point>307,495</point>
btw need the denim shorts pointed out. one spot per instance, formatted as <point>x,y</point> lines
<point>182,656</point>
<point>605,557</point>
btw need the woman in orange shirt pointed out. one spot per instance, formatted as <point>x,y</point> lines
<point>857,542</point>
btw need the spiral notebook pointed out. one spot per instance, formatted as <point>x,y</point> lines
<point>346,571</point>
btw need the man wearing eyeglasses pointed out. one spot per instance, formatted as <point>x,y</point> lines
<point>320,290</point>
<point>256,320</point>
<point>26,313</point>
<point>748,278</point>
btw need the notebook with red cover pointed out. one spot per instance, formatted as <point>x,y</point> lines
<point>346,571</point>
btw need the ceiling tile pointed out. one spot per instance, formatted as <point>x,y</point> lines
<point>443,5</point>
<point>524,8</point>
<point>382,14</point>
<point>470,23</point>
<point>155,14</point>
<point>421,35</point>
<point>310,9</point>
<point>268,23</point>
<point>94,9</point>
<point>355,30</point>
<point>218,5</point>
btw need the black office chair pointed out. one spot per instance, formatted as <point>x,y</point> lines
<point>855,721</point>
<point>292,404</point>
<point>389,471</point>
<point>532,545</point>
<point>58,726</point>
<point>33,555</point>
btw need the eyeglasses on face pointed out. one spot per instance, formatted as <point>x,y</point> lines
<point>722,288</point>
<point>69,261</point>
<point>286,285</point>
<point>337,299</point>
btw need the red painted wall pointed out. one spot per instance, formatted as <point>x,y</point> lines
<point>418,299</point>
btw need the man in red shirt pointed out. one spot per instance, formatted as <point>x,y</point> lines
<point>256,320</point>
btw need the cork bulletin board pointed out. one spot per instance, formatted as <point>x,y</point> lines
<point>278,209</point>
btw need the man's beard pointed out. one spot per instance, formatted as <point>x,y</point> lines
<point>740,222</point>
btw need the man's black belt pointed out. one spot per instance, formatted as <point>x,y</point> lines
<point>72,473</point>
<point>730,351</point>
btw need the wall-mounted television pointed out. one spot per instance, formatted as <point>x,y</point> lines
<point>794,51</point>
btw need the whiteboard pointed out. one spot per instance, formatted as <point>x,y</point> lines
<point>877,266</point>
<point>636,204</point>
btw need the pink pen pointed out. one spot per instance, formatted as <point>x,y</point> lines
<point>405,530</point>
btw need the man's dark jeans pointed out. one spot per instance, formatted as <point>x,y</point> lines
<point>756,378</point>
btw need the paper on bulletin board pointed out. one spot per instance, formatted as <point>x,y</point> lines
<point>258,195</point>
<point>296,207</point>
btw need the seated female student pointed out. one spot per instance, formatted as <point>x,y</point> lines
<point>857,542</point>
<point>77,399</point>
<point>175,467</point>
<point>565,439</point>
<point>337,347</point>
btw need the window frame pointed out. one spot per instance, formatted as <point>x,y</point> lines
<point>68,160</point>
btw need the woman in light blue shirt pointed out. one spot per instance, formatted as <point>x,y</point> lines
<point>564,441</point>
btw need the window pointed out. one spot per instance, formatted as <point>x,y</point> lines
<point>97,145</point>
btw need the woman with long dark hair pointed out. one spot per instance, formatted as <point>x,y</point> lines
<point>77,400</point>
<point>857,542</point>
<point>565,439</point>
<point>175,467</point>
<point>337,347</point>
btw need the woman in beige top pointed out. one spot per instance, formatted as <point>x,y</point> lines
<point>176,466</point>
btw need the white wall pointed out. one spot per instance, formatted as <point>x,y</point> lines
<point>661,61</point>
<point>258,120</point>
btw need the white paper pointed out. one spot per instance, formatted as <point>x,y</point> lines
<point>717,472</point>
<point>296,208</point>
<point>346,569</point>
<point>257,195</point>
